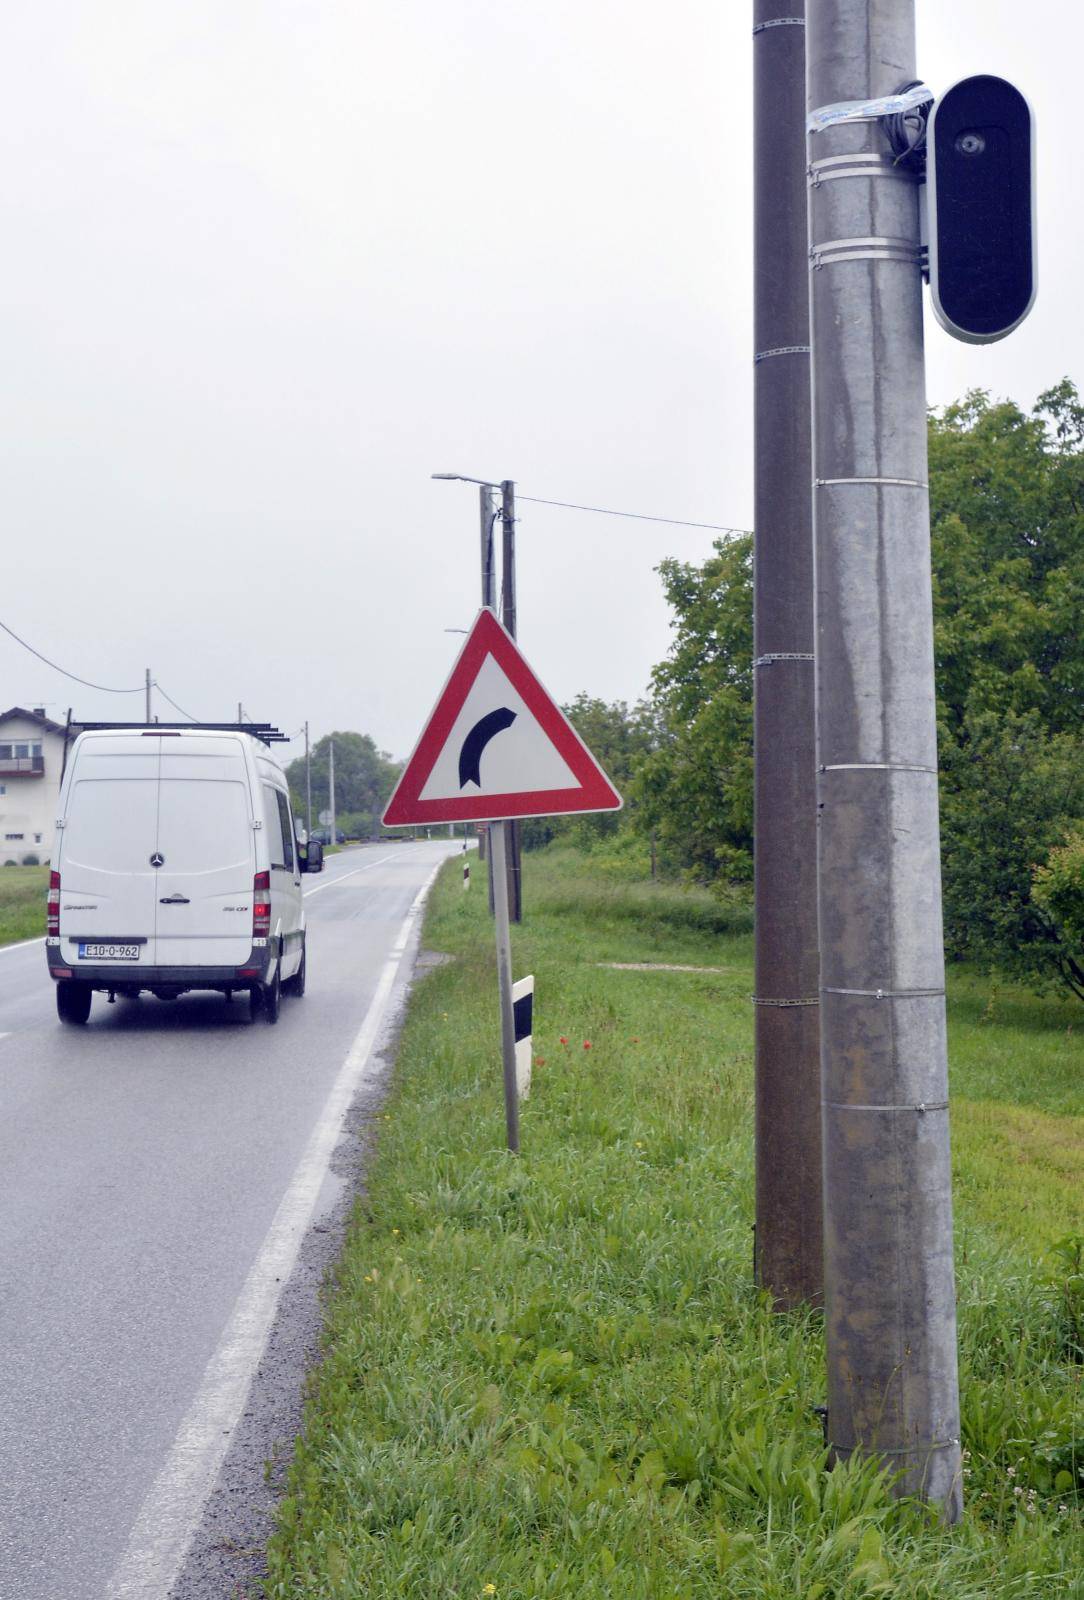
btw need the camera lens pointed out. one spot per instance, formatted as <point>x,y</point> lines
<point>970,144</point>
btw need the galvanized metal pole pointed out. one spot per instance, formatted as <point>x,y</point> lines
<point>889,1300</point>
<point>499,859</point>
<point>508,617</point>
<point>147,695</point>
<point>787,1025</point>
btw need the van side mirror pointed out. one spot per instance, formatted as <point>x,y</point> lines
<point>980,174</point>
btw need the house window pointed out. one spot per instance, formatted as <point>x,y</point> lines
<point>5,752</point>
<point>35,747</point>
<point>37,838</point>
<point>13,836</point>
<point>22,750</point>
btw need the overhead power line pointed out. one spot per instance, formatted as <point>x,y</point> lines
<point>636,516</point>
<point>174,704</point>
<point>103,688</point>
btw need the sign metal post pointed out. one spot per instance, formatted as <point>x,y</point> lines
<point>498,747</point>
<point>497,836</point>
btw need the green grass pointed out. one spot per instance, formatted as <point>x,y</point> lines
<point>22,903</point>
<point>551,1376</point>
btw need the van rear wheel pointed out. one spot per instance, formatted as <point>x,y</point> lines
<point>296,984</point>
<point>271,996</point>
<point>73,1000</point>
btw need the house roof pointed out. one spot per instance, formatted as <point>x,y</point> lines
<point>43,722</point>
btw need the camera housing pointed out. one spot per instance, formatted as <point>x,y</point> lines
<point>980,174</point>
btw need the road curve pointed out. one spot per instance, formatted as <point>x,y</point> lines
<point>160,1171</point>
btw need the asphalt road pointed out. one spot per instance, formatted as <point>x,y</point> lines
<point>162,1170</point>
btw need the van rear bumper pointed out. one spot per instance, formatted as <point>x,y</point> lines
<point>128,975</point>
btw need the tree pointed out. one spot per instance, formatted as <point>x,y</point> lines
<point>1007,523</point>
<point>1058,891</point>
<point>695,790</point>
<point>364,777</point>
<point>618,737</point>
<point>1009,789</point>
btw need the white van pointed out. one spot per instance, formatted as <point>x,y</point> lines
<point>176,867</point>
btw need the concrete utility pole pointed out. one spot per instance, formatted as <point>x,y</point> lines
<point>487,517</point>
<point>889,1301</point>
<point>508,617</point>
<point>787,1024</point>
<point>308,784</point>
<point>147,695</point>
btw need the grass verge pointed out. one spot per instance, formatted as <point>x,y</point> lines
<point>551,1376</point>
<point>22,903</point>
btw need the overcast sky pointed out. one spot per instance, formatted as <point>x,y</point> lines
<point>270,263</point>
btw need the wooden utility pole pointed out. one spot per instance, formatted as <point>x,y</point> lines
<point>787,1027</point>
<point>508,617</point>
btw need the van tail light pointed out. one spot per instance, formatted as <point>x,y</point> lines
<point>52,906</point>
<point>261,905</point>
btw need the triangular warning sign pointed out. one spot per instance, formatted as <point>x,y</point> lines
<point>497,746</point>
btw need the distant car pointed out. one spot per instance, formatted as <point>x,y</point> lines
<point>323,836</point>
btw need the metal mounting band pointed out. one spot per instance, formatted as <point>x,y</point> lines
<point>758,1002</point>
<point>905,1450</point>
<point>862,164</point>
<point>875,766</point>
<point>894,483</point>
<point>778,22</point>
<point>781,655</point>
<point>887,994</point>
<point>872,248</point>
<point>922,1107</point>
<point>782,350</point>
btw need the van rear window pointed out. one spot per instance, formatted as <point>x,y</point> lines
<point>111,824</point>
<point>203,825</point>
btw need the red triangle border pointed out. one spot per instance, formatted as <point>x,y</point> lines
<point>595,791</point>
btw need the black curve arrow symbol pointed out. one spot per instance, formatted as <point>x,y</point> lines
<point>470,757</point>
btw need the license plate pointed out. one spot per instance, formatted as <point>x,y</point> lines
<point>108,952</point>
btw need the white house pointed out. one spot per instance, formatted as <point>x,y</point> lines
<point>31,762</point>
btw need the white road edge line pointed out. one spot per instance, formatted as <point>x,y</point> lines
<point>24,944</point>
<point>170,1513</point>
<point>330,884</point>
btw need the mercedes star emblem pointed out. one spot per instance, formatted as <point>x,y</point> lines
<point>157,859</point>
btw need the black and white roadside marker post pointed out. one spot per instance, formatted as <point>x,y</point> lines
<point>497,747</point>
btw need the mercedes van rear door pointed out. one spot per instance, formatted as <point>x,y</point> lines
<point>104,855</point>
<point>207,850</point>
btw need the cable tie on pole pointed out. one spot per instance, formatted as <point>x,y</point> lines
<point>757,1001</point>
<point>778,22</point>
<point>875,766</point>
<point>782,350</point>
<point>922,1107</point>
<point>782,655</point>
<point>900,483</point>
<point>916,1449</point>
<point>886,994</point>
<point>888,105</point>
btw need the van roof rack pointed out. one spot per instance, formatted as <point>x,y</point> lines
<point>264,731</point>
